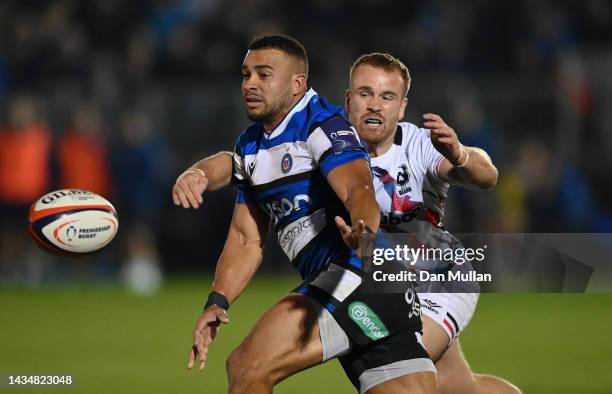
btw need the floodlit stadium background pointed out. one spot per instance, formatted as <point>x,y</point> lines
<point>119,96</point>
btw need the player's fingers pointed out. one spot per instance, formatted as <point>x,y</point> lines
<point>202,353</point>
<point>181,194</point>
<point>441,132</point>
<point>439,129</point>
<point>431,116</point>
<point>203,358</point>
<point>185,185</point>
<point>192,356</point>
<point>199,188</point>
<point>222,317</point>
<point>192,195</point>
<point>360,228</point>
<point>175,198</point>
<point>342,226</point>
<point>433,124</point>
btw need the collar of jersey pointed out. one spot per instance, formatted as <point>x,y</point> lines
<point>397,141</point>
<point>380,160</point>
<point>300,105</point>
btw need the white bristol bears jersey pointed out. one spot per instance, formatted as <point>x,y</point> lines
<point>406,180</point>
<point>285,172</point>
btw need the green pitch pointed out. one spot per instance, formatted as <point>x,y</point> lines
<point>113,342</point>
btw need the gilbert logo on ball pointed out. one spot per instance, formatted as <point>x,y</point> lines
<point>72,220</point>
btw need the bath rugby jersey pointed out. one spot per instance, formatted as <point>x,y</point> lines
<point>406,180</point>
<point>285,171</point>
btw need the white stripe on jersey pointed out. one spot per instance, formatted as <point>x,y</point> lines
<point>298,107</point>
<point>267,163</point>
<point>319,143</point>
<point>239,171</point>
<point>293,237</point>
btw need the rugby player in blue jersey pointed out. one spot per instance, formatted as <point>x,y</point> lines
<point>407,188</point>
<point>302,166</point>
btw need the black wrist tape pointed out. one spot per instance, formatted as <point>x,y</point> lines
<point>216,298</point>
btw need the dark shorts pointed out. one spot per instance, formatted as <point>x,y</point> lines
<point>376,335</point>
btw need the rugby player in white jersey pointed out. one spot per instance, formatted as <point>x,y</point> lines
<point>413,168</point>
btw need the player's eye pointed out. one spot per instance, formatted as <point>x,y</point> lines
<point>245,76</point>
<point>387,97</point>
<point>265,75</point>
<point>364,94</point>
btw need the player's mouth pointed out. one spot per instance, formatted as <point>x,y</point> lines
<point>253,102</point>
<point>372,123</point>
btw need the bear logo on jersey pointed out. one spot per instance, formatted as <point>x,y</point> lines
<point>286,163</point>
<point>402,175</point>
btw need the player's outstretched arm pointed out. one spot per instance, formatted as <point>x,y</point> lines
<point>464,166</point>
<point>209,174</point>
<point>352,183</point>
<point>240,259</point>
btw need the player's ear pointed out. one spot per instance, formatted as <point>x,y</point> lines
<point>403,106</point>
<point>347,100</point>
<point>299,83</point>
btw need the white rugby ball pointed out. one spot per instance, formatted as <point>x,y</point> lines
<point>73,221</point>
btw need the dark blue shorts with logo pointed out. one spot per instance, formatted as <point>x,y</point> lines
<point>374,329</point>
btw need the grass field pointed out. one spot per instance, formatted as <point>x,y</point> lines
<point>111,341</point>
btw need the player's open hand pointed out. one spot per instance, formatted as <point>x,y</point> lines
<point>204,333</point>
<point>189,187</point>
<point>351,235</point>
<point>443,138</point>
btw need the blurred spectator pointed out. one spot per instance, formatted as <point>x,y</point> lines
<point>139,158</point>
<point>83,157</point>
<point>25,145</point>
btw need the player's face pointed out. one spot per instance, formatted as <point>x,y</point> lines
<point>375,103</point>
<point>266,85</point>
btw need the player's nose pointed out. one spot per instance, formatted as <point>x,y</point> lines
<point>249,84</point>
<point>374,104</point>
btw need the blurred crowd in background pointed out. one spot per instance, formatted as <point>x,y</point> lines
<point>118,97</point>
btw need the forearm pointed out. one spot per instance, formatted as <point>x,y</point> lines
<point>361,205</point>
<point>237,265</point>
<point>478,173</point>
<point>217,168</point>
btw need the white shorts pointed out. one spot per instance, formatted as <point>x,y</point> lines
<point>452,311</point>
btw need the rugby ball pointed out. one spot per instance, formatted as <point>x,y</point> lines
<point>73,221</point>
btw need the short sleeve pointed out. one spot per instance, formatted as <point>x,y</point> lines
<point>430,157</point>
<point>334,143</point>
<point>239,178</point>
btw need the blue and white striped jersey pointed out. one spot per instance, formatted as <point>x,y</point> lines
<point>285,171</point>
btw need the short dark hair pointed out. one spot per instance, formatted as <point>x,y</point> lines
<point>386,62</point>
<point>283,43</point>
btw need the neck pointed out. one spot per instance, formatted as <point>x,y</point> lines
<point>379,149</point>
<point>271,125</point>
